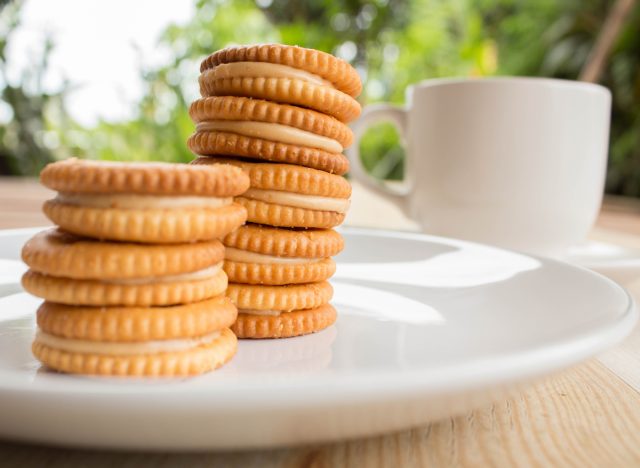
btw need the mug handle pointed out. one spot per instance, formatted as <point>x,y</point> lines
<point>371,115</point>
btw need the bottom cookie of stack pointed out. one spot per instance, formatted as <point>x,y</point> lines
<point>180,340</point>
<point>281,311</point>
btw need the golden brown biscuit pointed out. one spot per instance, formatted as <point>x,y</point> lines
<point>136,341</point>
<point>297,92</point>
<point>152,291</point>
<point>258,254</point>
<point>248,297</point>
<point>153,203</point>
<point>108,177</point>
<point>193,361</point>
<point>285,325</point>
<point>146,225</point>
<point>136,324</point>
<point>279,274</point>
<point>55,252</point>
<point>240,109</point>
<point>224,143</point>
<point>287,177</point>
<point>339,72</point>
<point>307,243</point>
<point>291,196</point>
<point>274,214</point>
<point>284,74</point>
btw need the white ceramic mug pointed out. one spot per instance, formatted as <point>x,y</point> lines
<point>514,162</point>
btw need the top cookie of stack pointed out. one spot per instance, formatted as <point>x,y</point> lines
<point>279,113</point>
<point>144,202</point>
<point>299,103</point>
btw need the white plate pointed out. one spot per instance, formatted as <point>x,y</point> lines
<point>427,327</point>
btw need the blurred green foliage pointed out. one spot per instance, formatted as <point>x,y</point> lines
<point>25,139</point>
<point>392,43</point>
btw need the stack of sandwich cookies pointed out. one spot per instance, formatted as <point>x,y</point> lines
<point>279,113</point>
<point>278,279</point>
<point>277,270</point>
<point>139,309</point>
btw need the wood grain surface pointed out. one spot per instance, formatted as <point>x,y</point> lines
<point>587,416</point>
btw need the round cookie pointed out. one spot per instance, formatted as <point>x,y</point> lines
<point>311,243</point>
<point>286,195</point>
<point>73,270</point>
<point>150,178</point>
<point>181,340</point>
<point>59,253</point>
<point>339,72</point>
<point>281,311</point>
<point>279,299</point>
<point>136,324</point>
<point>253,128</point>
<point>241,109</point>
<point>173,290</point>
<point>258,254</point>
<point>285,325</point>
<point>148,225</point>
<point>285,74</point>
<point>152,203</point>
<point>195,361</point>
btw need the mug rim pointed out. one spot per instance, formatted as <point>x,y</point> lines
<point>530,80</point>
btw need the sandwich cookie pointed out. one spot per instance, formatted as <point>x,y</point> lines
<point>68,269</point>
<point>285,195</point>
<point>253,128</point>
<point>285,74</point>
<point>170,341</point>
<point>281,311</point>
<point>144,202</point>
<point>258,254</point>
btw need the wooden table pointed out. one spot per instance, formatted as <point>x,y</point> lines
<point>586,416</point>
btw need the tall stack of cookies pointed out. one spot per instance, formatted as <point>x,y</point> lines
<point>279,113</point>
<point>132,278</point>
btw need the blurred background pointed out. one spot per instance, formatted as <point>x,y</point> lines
<point>113,80</point>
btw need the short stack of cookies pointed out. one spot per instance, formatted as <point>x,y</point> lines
<point>132,278</point>
<point>280,113</point>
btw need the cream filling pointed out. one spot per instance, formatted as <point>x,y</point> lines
<point>121,349</point>
<point>266,70</point>
<point>203,274</point>
<point>131,201</point>
<point>273,132</point>
<point>312,202</point>
<point>244,256</point>
<point>273,313</point>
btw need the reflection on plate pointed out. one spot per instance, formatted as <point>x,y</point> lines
<point>10,273</point>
